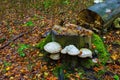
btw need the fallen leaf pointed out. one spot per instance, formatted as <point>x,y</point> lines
<point>114,56</point>
<point>8,68</point>
<point>98,68</point>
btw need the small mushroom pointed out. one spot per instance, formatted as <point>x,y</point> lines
<point>55,56</point>
<point>71,50</point>
<point>84,52</point>
<point>95,60</point>
<point>52,47</point>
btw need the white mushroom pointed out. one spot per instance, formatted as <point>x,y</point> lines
<point>95,60</point>
<point>64,51</point>
<point>71,50</point>
<point>84,52</point>
<point>52,47</point>
<point>55,56</point>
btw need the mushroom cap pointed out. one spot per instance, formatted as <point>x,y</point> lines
<point>52,47</point>
<point>85,53</point>
<point>55,56</point>
<point>95,60</point>
<point>71,50</point>
<point>64,51</point>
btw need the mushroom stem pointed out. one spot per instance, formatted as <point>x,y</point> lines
<point>55,56</point>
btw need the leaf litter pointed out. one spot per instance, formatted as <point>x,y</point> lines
<point>17,20</point>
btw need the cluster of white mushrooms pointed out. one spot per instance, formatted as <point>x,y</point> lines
<point>55,49</point>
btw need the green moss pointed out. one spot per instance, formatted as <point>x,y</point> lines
<point>42,43</point>
<point>96,40</point>
<point>100,47</point>
<point>87,63</point>
<point>67,40</point>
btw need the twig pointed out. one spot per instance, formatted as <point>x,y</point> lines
<point>16,37</point>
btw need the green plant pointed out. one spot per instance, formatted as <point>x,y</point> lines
<point>29,23</point>
<point>47,4</point>
<point>21,49</point>
<point>6,63</point>
<point>116,77</point>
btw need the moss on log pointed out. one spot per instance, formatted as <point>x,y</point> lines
<point>44,41</point>
<point>87,62</point>
<point>100,47</point>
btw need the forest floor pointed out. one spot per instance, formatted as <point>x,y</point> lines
<point>22,24</point>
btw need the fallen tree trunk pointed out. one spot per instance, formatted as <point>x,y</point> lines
<point>101,16</point>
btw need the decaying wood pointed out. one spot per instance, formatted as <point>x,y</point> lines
<point>16,37</point>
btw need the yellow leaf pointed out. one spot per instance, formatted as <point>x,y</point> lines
<point>114,56</point>
<point>11,78</point>
<point>45,74</point>
<point>8,68</point>
<point>40,55</point>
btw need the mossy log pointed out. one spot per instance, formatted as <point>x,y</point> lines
<point>80,42</point>
<point>100,17</point>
